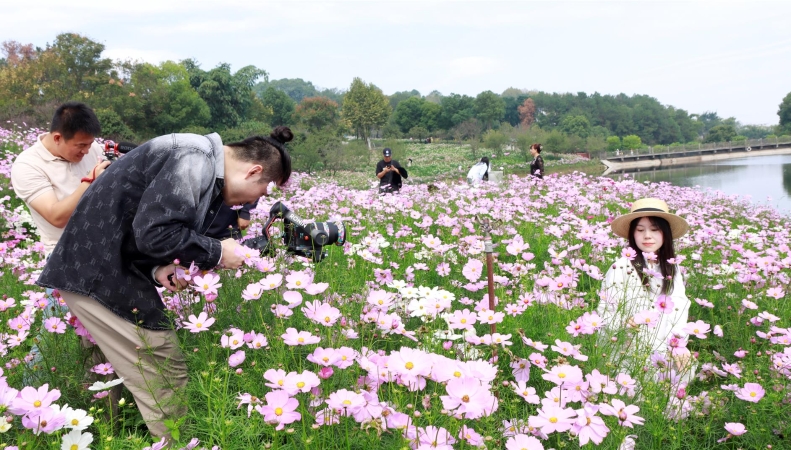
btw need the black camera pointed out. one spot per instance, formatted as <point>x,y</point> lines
<point>301,238</point>
<point>113,150</point>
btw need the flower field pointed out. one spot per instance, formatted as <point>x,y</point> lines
<point>390,342</point>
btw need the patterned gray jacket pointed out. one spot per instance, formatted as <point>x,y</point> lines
<point>148,208</point>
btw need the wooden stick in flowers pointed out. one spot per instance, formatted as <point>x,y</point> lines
<point>489,249</point>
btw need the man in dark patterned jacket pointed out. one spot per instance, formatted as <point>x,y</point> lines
<point>149,209</point>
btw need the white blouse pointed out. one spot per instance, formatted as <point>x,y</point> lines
<point>623,296</point>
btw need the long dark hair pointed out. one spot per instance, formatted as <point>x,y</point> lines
<point>665,253</point>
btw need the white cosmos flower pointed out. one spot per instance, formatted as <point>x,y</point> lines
<point>76,440</point>
<point>102,386</point>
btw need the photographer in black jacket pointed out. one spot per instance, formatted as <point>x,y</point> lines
<point>389,172</point>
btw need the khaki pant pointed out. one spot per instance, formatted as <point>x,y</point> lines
<point>149,361</point>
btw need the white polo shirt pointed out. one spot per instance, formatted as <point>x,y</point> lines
<point>36,171</point>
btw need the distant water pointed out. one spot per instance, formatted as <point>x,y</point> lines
<point>766,179</point>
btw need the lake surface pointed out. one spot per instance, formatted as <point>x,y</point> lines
<point>767,179</point>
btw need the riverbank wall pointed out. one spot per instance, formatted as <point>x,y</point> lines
<point>653,163</point>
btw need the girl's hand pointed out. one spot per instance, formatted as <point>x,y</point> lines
<point>682,361</point>
<point>631,323</point>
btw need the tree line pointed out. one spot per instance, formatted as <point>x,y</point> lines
<point>137,100</point>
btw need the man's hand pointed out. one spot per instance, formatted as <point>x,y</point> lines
<point>231,259</point>
<point>166,276</point>
<point>243,223</point>
<point>99,169</point>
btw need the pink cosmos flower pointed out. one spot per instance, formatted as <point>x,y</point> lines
<point>649,318</point>
<point>468,397</point>
<point>629,253</point>
<point>523,442</point>
<point>294,337</point>
<point>234,341</point>
<point>316,288</point>
<point>552,418</point>
<point>664,303</point>
<point>253,291</point>
<point>325,314</point>
<point>520,369</point>
<point>443,269</point>
<point>293,298</point>
<point>299,279</point>
<point>271,281</point>
<point>300,382</point>
<point>472,270</point>
<point>751,392</point>
<point>698,329</point>
<point>346,357</point>
<point>32,401</point>
<point>626,384</point>
<point>775,292</point>
<point>433,437</point>
<point>198,324</point>
<point>735,428</point>
<point>103,369</point>
<point>281,311</point>
<point>324,356</point>
<point>464,320</point>
<point>236,358</point>
<point>207,284</point>
<point>410,364</point>
<point>345,402</point>
<point>563,374</point>
<point>527,393</point>
<point>45,420</point>
<point>55,325</point>
<point>625,414</point>
<point>717,330</point>
<point>276,378</point>
<point>471,436</point>
<point>258,340</point>
<point>280,409</point>
<point>589,426</point>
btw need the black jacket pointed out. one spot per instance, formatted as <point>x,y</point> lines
<point>537,165</point>
<point>147,209</point>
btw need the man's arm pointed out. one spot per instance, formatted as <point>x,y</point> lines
<point>57,212</point>
<point>381,170</point>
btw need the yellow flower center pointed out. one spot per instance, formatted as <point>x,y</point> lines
<point>553,419</point>
<point>37,403</point>
<point>409,366</point>
<point>301,340</point>
<point>343,358</point>
<point>463,320</point>
<point>74,447</point>
<point>198,325</point>
<point>301,384</point>
<point>381,302</point>
<point>298,283</point>
<point>205,286</point>
<point>457,374</point>
<point>753,394</point>
<point>75,422</point>
<point>465,399</point>
<point>327,319</point>
<point>278,411</point>
<point>280,382</point>
<point>235,341</point>
<point>561,375</point>
<point>347,402</point>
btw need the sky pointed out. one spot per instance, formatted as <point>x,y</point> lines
<point>731,57</point>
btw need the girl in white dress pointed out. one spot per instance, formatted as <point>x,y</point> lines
<point>644,304</point>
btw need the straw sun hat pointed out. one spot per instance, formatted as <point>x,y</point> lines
<point>649,207</point>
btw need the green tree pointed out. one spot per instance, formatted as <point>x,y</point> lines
<point>409,113</point>
<point>83,68</point>
<point>365,107</point>
<point>489,108</point>
<point>557,142</point>
<point>785,114</point>
<point>495,140</point>
<point>400,96</point>
<point>418,132</point>
<point>613,143</point>
<point>576,125</point>
<point>721,133</point>
<point>317,113</point>
<point>228,95</point>
<point>456,109</point>
<point>430,115</point>
<point>632,142</point>
<point>281,104</point>
<point>296,88</point>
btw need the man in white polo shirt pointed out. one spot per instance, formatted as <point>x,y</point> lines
<point>51,175</point>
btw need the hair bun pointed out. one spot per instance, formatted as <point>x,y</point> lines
<point>282,134</point>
